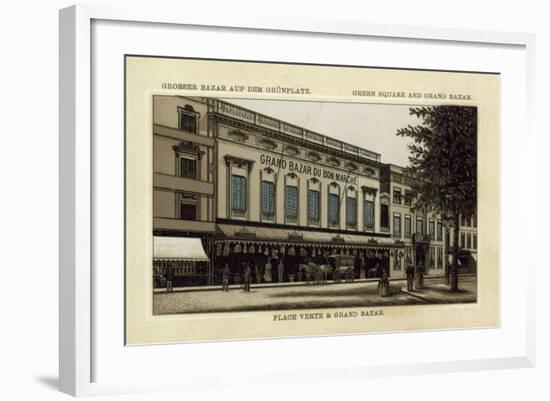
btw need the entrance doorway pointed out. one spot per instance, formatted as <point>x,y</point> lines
<point>420,256</point>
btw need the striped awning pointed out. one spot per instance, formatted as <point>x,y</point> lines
<point>230,232</point>
<point>178,248</point>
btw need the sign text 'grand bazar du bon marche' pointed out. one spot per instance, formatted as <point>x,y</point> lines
<point>302,168</point>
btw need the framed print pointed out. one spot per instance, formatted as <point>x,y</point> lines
<point>297,194</point>
<point>257,212</point>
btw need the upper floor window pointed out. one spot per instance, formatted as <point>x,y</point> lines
<point>397,195</point>
<point>469,241</point>
<point>292,202</point>
<point>408,198</point>
<point>408,226</point>
<point>351,211</point>
<point>188,120</point>
<point>188,167</point>
<point>369,215</point>
<point>475,241</point>
<point>268,202</point>
<point>238,194</point>
<point>313,206</point>
<point>384,217</point>
<point>431,229</point>
<point>188,206</point>
<point>462,240</point>
<point>439,231</point>
<point>396,225</point>
<point>333,210</point>
<point>475,220</point>
<point>419,225</point>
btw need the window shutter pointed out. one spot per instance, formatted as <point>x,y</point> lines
<point>333,209</point>
<point>291,201</point>
<point>238,193</point>
<point>234,193</point>
<point>350,211</point>
<point>267,197</point>
<point>369,214</point>
<point>313,207</point>
<point>242,190</point>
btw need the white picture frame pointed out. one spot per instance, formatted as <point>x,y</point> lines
<point>78,318</point>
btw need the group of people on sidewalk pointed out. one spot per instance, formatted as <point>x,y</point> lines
<point>247,275</point>
<point>415,277</point>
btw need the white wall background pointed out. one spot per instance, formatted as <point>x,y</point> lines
<point>29,198</point>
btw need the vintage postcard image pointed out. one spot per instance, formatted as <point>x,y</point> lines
<point>308,209</point>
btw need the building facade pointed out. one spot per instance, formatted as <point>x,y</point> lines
<point>422,233</point>
<point>261,191</point>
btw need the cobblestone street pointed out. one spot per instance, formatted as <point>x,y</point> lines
<point>357,294</point>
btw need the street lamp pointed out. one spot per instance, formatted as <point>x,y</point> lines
<point>448,223</point>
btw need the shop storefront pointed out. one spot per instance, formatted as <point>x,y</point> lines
<point>255,191</point>
<point>275,255</point>
<point>181,261</point>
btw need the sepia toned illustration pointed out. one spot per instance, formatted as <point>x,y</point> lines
<point>278,205</point>
<point>272,200</point>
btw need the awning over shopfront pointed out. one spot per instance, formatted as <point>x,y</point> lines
<point>177,248</point>
<point>230,232</point>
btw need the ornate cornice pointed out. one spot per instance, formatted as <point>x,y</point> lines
<point>292,175</point>
<point>239,161</point>
<point>188,147</point>
<point>313,156</point>
<point>291,150</point>
<point>286,138</point>
<point>369,190</point>
<point>334,161</point>
<point>267,143</point>
<point>238,135</point>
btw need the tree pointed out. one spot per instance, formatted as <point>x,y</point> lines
<point>443,165</point>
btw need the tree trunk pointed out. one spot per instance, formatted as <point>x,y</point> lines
<point>446,254</point>
<point>454,266</point>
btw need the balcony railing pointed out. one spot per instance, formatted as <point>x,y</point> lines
<point>238,213</point>
<point>292,219</point>
<point>421,237</point>
<point>313,221</point>
<point>241,113</point>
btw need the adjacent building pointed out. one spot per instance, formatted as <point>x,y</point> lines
<point>248,188</point>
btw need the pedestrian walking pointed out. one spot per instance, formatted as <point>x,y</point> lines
<point>258,271</point>
<point>267,274</point>
<point>280,270</point>
<point>384,284</point>
<point>247,277</point>
<point>169,277</point>
<point>419,277</point>
<point>362,269</point>
<point>226,272</point>
<point>410,277</point>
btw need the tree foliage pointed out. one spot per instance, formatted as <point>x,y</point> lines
<point>443,159</point>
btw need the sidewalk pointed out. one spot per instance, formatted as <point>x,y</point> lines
<point>292,296</point>
<point>292,284</point>
<point>440,293</point>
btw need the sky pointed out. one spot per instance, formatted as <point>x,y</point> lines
<point>370,126</point>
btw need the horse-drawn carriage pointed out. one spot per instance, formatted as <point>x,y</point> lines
<point>338,266</point>
<point>343,267</point>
